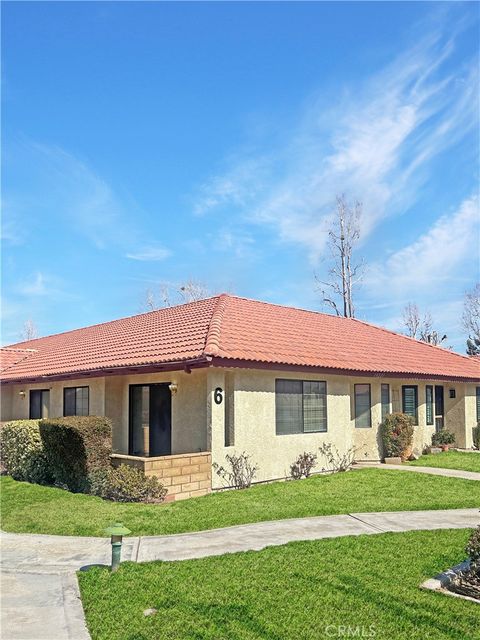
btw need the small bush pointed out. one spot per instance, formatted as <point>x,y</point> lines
<point>473,545</point>
<point>303,465</point>
<point>397,435</point>
<point>241,472</point>
<point>76,446</point>
<point>476,436</point>
<point>442,437</point>
<point>337,461</point>
<point>126,484</point>
<point>23,456</point>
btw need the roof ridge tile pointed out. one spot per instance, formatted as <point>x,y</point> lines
<point>212,342</point>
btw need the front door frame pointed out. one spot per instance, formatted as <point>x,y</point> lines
<point>130,418</point>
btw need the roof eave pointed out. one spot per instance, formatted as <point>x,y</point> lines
<point>278,366</point>
<point>175,365</point>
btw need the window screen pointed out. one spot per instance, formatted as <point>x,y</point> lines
<point>314,406</point>
<point>410,402</point>
<point>385,400</point>
<point>429,403</point>
<point>363,417</point>
<point>301,406</point>
<point>75,401</point>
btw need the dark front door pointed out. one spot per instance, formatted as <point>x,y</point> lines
<point>150,429</point>
<point>439,407</point>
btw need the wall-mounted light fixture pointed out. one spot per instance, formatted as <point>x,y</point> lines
<point>173,386</point>
<point>453,393</point>
<point>22,394</point>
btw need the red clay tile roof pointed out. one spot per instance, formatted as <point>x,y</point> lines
<point>10,356</point>
<point>228,329</point>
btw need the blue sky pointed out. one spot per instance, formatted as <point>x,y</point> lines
<point>150,142</point>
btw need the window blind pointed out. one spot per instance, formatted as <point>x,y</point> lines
<point>410,401</point>
<point>385,400</point>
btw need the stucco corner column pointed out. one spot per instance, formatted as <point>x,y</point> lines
<point>216,417</point>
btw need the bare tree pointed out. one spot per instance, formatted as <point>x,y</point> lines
<point>471,320</point>
<point>420,328</point>
<point>344,235</point>
<point>171,294</point>
<point>411,320</point>
<point>148,302</point>
<point>29,330</point>
<point>191,291</point>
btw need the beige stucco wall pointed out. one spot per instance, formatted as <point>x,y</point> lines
<point>6,394</point>
<point>198,423</point>
<point>254,419</point>
<point>19,405</point>
<point>110,396</point>
<point>189,411</point>
<point>368,441</point>
<point>254,422</point>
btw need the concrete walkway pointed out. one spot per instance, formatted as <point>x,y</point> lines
<point>40,599</point>
<point>436,471</point>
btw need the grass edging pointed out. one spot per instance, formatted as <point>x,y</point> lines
<point>442,580</point>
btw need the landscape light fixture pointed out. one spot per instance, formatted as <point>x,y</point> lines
<point>117,531</point>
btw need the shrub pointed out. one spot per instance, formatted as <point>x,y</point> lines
<point>303,465</point>
<point>241,472</point>
<point>397,435</point>
<point>75,447</point>
<point>442,437</point>
<point>126,484</point>
<point>23,456</point>
<point>473,545</point>
<point>336,461</point>
<point>476,436</point>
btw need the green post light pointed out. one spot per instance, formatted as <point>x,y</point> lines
<point>117,531</point>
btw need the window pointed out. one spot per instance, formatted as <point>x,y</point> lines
<point>429,403</point>
<point>300,406</point>
<point>39,403</point>
<point>75,401</point>
<point>410,402</point>
<point>363,416</point>
<point>478,404</point>
<point>385,400</point>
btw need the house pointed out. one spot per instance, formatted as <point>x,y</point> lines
<point>186,385</point>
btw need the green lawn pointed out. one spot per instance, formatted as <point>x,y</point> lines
<point>303,590</point>
<point>35,509</point>
<point>450,460</point>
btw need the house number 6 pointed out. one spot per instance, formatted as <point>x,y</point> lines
<point>218,395</point>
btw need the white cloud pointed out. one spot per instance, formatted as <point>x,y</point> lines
<point>36,287</point>
<point>373,142</point>
<point>149,254</point>
<point>432,259</point>
<point>42,285</point>
<point>65,188</point>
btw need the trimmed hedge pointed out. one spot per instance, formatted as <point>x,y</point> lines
<point>476,436</point>
<point>397,434</point>
<point>75,447</point>
<point>23,455</point>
